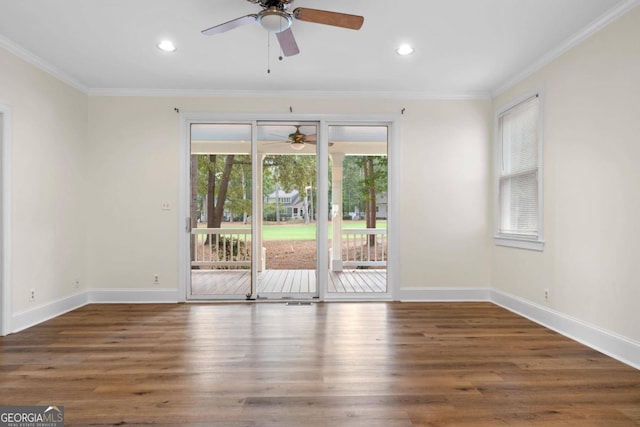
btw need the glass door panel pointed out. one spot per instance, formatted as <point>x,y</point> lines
<point>288,230</point>
<point>358,219</point>
<point>221,203</point>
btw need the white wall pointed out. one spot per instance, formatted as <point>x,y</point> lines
<point>49,123</point>
<point>445,190</point>
<point>134,158</point>
<point>592,185</point>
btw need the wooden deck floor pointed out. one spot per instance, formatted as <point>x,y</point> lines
<point>325,364</point>
<point>237,282</point>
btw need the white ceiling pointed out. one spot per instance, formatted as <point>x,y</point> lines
<point>463,48</point>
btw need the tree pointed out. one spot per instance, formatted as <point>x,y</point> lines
<point>224,183</point>
<point>194,202</point>
<point>370,197</point>
<point>366,176</point>
<point>215,205</point>
<point>353,198</point>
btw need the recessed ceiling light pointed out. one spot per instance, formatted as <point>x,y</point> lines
<point>404,50</point>
<point>167,46</point>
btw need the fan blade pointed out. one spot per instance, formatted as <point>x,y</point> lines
<point>288,42</point>
<point>235,23</point>
<point>353,22</point>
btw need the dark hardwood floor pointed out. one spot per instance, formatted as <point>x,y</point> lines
<point>333,364</point>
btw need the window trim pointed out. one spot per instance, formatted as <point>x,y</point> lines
<point>514,240</point>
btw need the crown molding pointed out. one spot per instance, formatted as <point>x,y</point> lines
<point>568,44</point>
<point>41,64</point>
<point>315,94</point>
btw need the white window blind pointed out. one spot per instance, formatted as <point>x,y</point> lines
<point>519,139</point>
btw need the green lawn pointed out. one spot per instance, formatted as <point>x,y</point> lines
<point>286,231</point>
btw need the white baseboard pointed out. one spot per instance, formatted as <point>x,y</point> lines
<point>133,296</point>
<point>443,294</point>
<point>33,316</point>
<point>609,343</point>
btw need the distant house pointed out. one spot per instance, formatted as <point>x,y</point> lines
<point>381,209</point>
<point>292,206</point>
<point>381,206</point>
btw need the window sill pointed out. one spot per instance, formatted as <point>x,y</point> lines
<point>533,245</point>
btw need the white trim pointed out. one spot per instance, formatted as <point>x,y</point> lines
<point>442,294</point>
<point>34,316</point>
<point>502,239</point>
<point>134,296</point>
<point>322,208</point>
<point>609,343</point>
<point>533,245</point>
<point>573,41</point>
<point>184,215</point>
<point>41,64</point>
<point>315,94</point>
<point>256,210</point>
<point>6,280</point>
<point>394,168</point>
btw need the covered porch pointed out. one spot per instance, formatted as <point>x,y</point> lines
<point>222,261</point>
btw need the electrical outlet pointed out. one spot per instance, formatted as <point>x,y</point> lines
<point>546,295</point>
<point>156,279</point>
<point>166,206</point>
<point>76,284</point>
<point>32,295</point>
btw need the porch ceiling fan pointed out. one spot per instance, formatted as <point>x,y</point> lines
<point>275,18</point>
<point>297,139</point>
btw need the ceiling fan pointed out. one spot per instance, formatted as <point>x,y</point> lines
<point>297,139</point>
<point>275,18</point>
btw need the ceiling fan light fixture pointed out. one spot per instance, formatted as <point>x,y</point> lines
<point>297,145</point>
<point>274,21</point>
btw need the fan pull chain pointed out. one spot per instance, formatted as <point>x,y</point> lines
<point>268,53</point>
<point>281,52</point>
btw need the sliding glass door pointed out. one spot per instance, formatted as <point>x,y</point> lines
<point>288,228</point>
<point>288,210</point>
<point>359,211</point>
<point>220,207</point>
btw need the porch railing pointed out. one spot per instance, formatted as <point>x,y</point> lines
<point>364,247</point>
<point>221,247</point>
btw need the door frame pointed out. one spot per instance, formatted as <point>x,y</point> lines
<point>5,221</point>
<point>392,121</point>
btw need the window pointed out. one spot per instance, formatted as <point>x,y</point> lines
<point>519,175</point>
